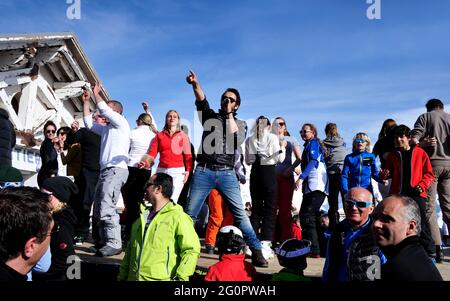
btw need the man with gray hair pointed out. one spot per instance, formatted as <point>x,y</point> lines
<point>396,225</point>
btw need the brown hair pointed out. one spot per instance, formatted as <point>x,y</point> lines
<point>314,129</point>
<point>331,130</point>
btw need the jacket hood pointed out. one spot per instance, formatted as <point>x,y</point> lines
<point>334,141</point>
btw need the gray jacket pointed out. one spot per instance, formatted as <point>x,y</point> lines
<point>435,124</point>
<point>336,154</point>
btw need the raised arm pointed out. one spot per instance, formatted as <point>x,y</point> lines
<point>193,81</point>
<point>147,111</point>
<point>87,117</point>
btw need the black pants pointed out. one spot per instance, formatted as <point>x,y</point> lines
<point>335,189</point>
<point>133,193</point>
<point>425,234</point>
<point>263,191</point>
<point>89,181</point>
<point>309,215</point>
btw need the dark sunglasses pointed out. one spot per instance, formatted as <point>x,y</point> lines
<point>281,123</point>
<point>357,203</point>
<point>228,99</point>
<point>305,131</point>
<point>50,131</point>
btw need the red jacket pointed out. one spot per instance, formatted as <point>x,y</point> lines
<point>172,150</point>
<point>231,267</point>
<point>421,170</point>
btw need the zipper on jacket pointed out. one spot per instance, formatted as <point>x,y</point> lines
<point>154,234</point>
<point>147,224</point>
<point>168,258</point>
<point>360,169</point>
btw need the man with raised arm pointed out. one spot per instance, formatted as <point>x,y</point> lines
<point>223,133</point>
<point>115,143</point>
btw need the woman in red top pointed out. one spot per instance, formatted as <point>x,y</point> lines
<point>174,150</point>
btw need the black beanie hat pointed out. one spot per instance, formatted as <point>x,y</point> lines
<point>63,188</point>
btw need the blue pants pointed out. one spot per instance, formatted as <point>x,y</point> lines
<point>225,181</point>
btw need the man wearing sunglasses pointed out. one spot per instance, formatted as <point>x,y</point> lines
<point>223,134</point>
<point>352,253</point>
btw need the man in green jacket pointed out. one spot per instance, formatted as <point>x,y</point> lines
<point>163,244</point>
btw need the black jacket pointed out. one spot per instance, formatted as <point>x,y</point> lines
<point>7,138</point>
<point>408,261</point>
<point>360,249</point>
<point>9,274</point>
<point>49,158</point>
<point>61,246</point>
<point>90,148</point>
<point>216,147</point>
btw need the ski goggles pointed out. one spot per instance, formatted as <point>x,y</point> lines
<point>358,203</point>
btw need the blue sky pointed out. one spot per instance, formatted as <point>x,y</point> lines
<point>306,60</point>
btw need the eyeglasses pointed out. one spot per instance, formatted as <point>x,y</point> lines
<point>305,131</point>
<point>360,140</point>
<point>50,131</point>
<point>358,203</point>
<point>149,184</point>
<point>281,123</point>
<point>228,99</point>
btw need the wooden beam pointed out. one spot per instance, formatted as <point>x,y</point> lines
<point>67,90</point>
<point>73,63</point>
<point>67,69</point>
<point>56,72</point>
<point>6,100</point>
<point>15,77</point>
<point>27,104</point>
<point>47,55</point>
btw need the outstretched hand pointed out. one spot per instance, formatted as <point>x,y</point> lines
<point>96,89</point>
<point>191,78</point>
<point>145,106</point>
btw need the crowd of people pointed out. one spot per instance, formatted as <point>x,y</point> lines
<point>394,238</point>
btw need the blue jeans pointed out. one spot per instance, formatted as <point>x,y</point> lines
<point>225,181</point>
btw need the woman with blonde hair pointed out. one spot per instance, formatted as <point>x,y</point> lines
<point>174,150</point>
<point>133,190</point>
<point>359,166</point>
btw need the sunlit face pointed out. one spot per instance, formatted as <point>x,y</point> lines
<point>229,98</point>
<point>402,142</point>
<point>62,136</point>
<point>99,119</point>
<point>280,126</point>
<point>389,225</point>
<point>150,189</point>
<point>307,133</point>
<point>50,132</point>
<point>357,207</point>
<point>172,119</point>
<point>360,144</point>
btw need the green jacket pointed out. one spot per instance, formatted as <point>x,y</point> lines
<point>168,249</point>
